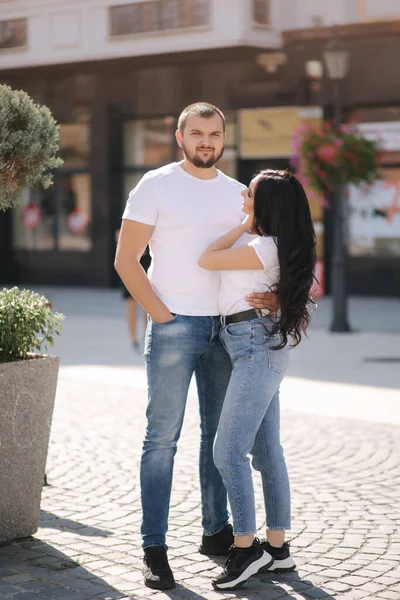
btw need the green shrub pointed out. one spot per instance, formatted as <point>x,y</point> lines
<point>26,322</point>
<point>29,139</point>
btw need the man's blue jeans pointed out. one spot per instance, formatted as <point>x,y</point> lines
<point>173,352</point>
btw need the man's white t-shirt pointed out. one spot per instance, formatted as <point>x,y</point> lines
<point>188,214</point>
<point>236,285</point>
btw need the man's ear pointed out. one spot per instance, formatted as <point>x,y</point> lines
<point>178,137</point>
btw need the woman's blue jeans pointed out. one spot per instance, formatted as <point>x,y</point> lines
<point>249,424</point>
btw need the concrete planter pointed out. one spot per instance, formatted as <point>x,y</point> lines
<point>27,394</point>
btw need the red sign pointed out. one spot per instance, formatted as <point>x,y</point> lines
<point>318,289</point>
<point>77,221</point>
<point>31,216</point>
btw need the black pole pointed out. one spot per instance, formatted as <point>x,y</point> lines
<point>338,278</point>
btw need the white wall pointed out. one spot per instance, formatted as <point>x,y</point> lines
<point>61,31</point>
<point>293,14</point>
<point>381,9</point>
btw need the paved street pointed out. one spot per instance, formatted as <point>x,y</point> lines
<point>340,430</point>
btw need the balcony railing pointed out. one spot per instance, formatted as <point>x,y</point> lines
<point>13,33</point>
<point>161,15</point>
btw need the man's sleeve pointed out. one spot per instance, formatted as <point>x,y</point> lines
<point>142,204</point>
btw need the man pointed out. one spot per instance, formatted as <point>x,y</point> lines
<point>180,209</point>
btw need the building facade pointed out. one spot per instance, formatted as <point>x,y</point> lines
<point>116,76</point>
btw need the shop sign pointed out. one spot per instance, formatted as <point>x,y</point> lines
<point>77,221</point>
<point>268,132</point>
<point>386,133</point>
<point>374,217</point>
<point>31,216</point>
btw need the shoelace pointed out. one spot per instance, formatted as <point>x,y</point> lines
<point>234,551</point>
<point>157,558</point>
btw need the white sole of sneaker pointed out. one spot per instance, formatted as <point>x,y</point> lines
<point>264,562</point>
<point>287,564</point>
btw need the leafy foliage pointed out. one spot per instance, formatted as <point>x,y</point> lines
<point>26,322</point>
<point>29,139</point>
<point>326,157</point>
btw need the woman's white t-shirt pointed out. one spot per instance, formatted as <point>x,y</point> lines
<point>236,285</point>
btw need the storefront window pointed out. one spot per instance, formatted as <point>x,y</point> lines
<point>130,181</point>
<point>374,217</point>
<point>149,142</point>
<point>228,163</point>
<point>374,212</point>
<point>33,221</point>
<point>75,144</point>
<point>58,218</point>
<point>74,212</point>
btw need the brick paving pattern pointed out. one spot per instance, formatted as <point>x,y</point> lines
<point>345,479</point>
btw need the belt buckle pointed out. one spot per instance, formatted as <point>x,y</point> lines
<point>222,320</point>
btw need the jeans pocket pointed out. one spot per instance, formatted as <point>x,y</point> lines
<point>278,360</point>
<point>163,324</point>
<point>239,330</point>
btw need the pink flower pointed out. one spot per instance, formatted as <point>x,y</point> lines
<point>327,153</point>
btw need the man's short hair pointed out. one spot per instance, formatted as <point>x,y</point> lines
<point>202,109</point>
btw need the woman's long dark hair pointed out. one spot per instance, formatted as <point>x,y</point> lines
<point>281,210</point>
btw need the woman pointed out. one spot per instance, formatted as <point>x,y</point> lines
<point>274,246</point>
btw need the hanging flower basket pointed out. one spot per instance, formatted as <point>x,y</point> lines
<point>28,145</point>
<point>325,158</point>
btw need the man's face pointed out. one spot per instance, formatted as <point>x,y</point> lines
<point>202,141</point>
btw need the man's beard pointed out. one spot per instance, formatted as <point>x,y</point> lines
<point>198,162</point>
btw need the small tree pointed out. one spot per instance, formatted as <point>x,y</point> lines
<point>29,138</point>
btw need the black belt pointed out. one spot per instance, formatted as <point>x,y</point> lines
<point>246,315</point>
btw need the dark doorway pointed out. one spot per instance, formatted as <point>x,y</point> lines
<point>248,168</point>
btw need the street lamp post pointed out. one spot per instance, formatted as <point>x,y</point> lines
<point>336,59</point>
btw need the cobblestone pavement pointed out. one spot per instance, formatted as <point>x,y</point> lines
<point>345,476</point>
<point>345,484</point>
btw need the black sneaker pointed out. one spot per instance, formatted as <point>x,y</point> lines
<point>156,570</point>
<point>217,544</point>
<point>242,563</point>
<point>283,561</point>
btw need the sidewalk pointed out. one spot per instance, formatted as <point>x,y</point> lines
<point>340,430</point>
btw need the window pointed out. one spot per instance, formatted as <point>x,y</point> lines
<point>161,15</point>
<point>74,144</point>
<point>261,11</point>
<point>33,221</point>
<point>13,33</point>
<point>228,163</point>
<point>58,218</point>
<point>149,142</point>
<point>374,216</point>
